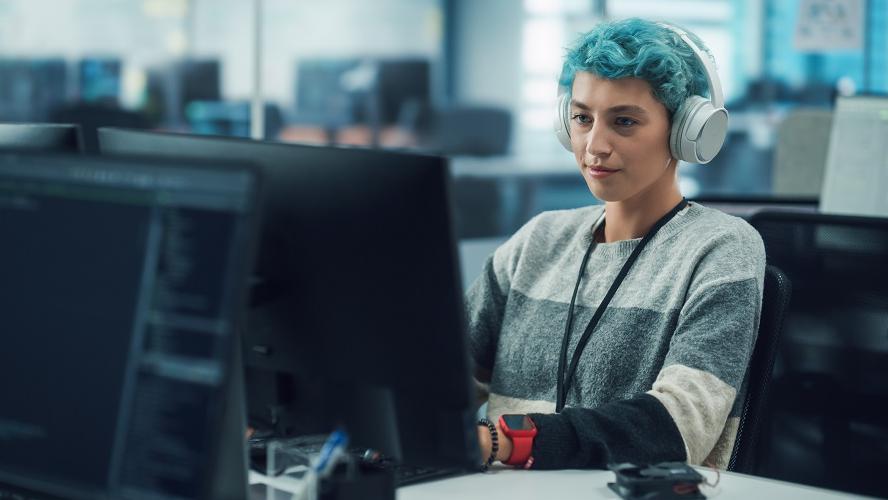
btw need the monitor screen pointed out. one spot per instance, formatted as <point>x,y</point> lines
<point>337,92</point>
<point>357,281</point>
<point>120,296</point>
<point>43,137</point>
<point>404,88</point>
<point>856,177</point>
<point>31,89</point>
<point>323,94</point>
<point>100,80</point>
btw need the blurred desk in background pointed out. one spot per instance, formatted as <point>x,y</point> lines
<point>495,196</point>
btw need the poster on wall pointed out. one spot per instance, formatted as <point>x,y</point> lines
<point>829,25</point>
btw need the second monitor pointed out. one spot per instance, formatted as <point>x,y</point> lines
<point>357,284</point>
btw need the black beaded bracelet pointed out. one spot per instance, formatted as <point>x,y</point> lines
<point>494,443</point>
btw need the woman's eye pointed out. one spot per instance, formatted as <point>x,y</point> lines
<point>625,122</point>
<point>581,118</point>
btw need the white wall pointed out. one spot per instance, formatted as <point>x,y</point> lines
<point>488,52</point>
<point>143,30</point>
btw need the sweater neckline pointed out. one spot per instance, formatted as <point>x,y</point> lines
<point>623,248</point>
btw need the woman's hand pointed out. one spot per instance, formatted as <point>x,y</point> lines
<point>484,442</point>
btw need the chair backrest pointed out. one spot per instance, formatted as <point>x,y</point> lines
<point>825,422</point>
<point>775,298</point>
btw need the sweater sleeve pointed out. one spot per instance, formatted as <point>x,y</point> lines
<point>684,414</point>
<point>487,297</point>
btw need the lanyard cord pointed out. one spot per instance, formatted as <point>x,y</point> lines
<point>564,379</point>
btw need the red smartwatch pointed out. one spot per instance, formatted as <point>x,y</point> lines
<point>521,430</point>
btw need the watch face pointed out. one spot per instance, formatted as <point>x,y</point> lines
<point>518,422</point>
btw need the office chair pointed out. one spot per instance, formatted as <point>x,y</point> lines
<point>824,423</point>
<point>775,299</point>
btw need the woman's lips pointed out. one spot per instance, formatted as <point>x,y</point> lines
<point>601,172</point>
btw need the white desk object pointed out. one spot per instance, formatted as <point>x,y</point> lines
<point>509,484</point>
<point>856,177</point>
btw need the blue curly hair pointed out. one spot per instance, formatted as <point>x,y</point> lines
<point>642,49</point>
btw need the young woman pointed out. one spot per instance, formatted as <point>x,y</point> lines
<point>667,292</point>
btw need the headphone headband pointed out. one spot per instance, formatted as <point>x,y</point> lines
<point>715,90</point>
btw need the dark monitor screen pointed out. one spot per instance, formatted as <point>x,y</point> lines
<point>31,89</point>
<point>200,80</point>
<point>120,290</point>
<point>45,137</point>
<point>357,280</point>
<point>322,92</point>
<point>100,80</point>
<point>403,83</point>
<point>337,92</point>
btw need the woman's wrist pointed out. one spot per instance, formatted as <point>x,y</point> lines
<point>485,442</point>
<point>505,445</point>
<point>488,440</point>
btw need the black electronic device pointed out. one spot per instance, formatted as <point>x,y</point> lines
<point>100,79</point>
<point>356,294</point>
<point>199,80</point>
<point>122,287</point>
<point>375,92</point>
<point>326,95</point>
<point>43,137</point>
<point>404,88</point>
<point>30,89</point>
<point>663,481</point>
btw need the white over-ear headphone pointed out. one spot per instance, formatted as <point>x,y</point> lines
<point>699,125</point>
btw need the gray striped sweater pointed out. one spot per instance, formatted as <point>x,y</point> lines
<point>663,374</point>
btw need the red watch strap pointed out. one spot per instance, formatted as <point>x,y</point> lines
<point>521,449</point>
<point>522,444</point>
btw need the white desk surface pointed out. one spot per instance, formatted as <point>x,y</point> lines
<point>509,484</point>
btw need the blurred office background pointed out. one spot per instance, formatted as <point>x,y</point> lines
<point>471,79</point>
<point>468,79</point>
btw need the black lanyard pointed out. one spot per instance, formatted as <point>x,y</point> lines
<point>564,380</point>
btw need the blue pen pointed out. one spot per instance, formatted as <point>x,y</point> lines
<point>337,441</point>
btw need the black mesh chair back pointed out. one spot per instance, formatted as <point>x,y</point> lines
<point>825,422</point>
<point>775,299</point>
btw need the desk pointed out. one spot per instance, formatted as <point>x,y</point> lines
<point>509,484</point>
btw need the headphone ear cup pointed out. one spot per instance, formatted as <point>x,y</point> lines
<point>698,130</point>
<point>562,121</point>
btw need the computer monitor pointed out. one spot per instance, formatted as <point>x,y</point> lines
<point>323,95</point>
<point>122,283</point>
<point>856,176</point>
<point>404,88</point>
<point>356,287</point>
<point>30,89</point>
<point>100,79</point>
<point>46,137</point>
<point>337,92</point>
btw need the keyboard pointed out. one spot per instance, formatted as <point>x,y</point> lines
<point>404,474</point>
